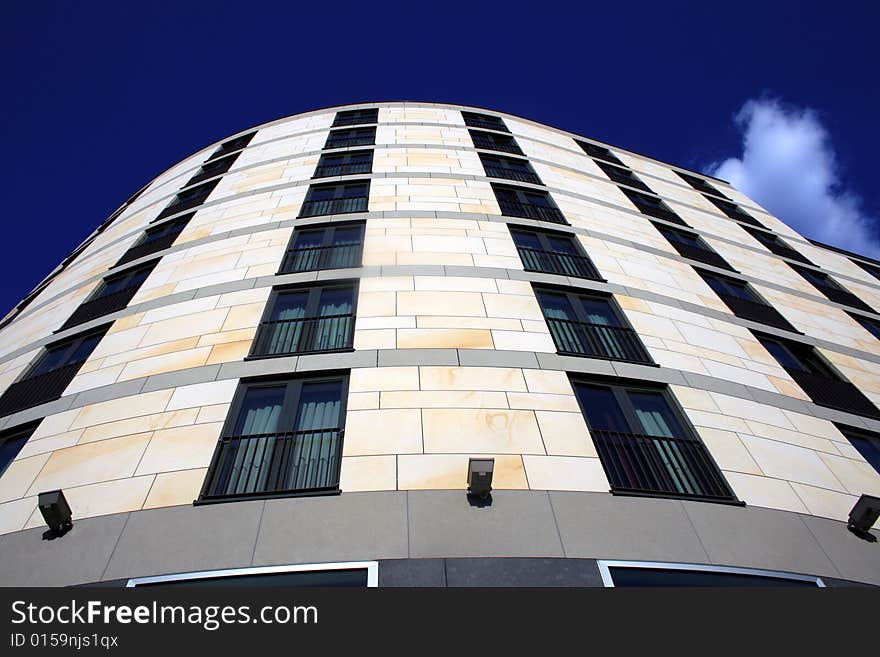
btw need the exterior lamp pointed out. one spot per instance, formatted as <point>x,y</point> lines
<point>56,511</point>
<point>863,516</point>
<point>480,477</point>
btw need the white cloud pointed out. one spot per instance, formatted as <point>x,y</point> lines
<point>789,166</point>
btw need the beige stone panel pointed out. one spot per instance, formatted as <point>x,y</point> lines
<point>434,243</point>
<point>203,394</point>
<point>95,379</point>
<point>124,323</point>
<point>391,431</point>
<point>501,262</point>
<point>738,375</point>
<point>647,324</point>
<point>449,472</point>
<point>226,276</point>
<point>20,475</point>
<point>514,287</point>
<point>50,444</point>
<point>386,284</point>
<point>137,425</point>
<point>825,503</point>
<point>88,463</point>
<point>631,303</point>
<point>375,339</point>
<point>728,451</point>
<point>179,309</point>
<point>749,410</point>
<point>857,476</point>
<point>716,421</point>
<point>108,497</point>
<point>481,431</point>
<point>165,363</point>
<point>789,462</point>
<point>131,355</point>
<point>764,491</point>
<point>229,351</point>
<point>699,400</point>
<point>455,284</point>
<point>792,437</point>
<point>426,258</point>
<point>368,473</point>
<point>565,434</point>
<point>244,297</point>
<point>245,316</point>
<point>520,341</point>
<point>197,324</point>
<point>471,378</point>
<point>789,388</point>
<point>120,342</point>
<point>362,401</point>
<point>444,339</point>
<point>175,488</point>
<point>180,448</point>
<point>256,271</point>
<point>123,408</point>
<point>544,402</point>
<point>547,381</point>
<point>386,322</point>
<point>365,379</point>
<point>14,514</point>
<point>148,294</point>
<point>443,399</point>
<point>468,304</point>
<point>469,322</point>
<point>509,305</point>
<point>565,473</point>
<point>376,304</point>
<point>813,425</point>
<point>213,413</point>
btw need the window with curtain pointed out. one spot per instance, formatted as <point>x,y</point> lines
<point>327,247</point>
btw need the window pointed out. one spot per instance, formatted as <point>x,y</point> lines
<point>816,377</point>
<point>51,372</point>
<point>492,141</point>
<point>871,325</point>
<point>691,245</point>
<point>476,120</point>
<point>188,199</point>
<point>327,247</point>
<point>699,184</point>
<point>344,164</point>
<point>831,289</point>
<point>307,320</point>
<point>155,239</point>
<point>281,438</point>
<point>733,211</point>
<point>112,294</point>
<point>232,145</point>
<point>866,443</point>
<point>598,152</point>
<point>213,168</point>
<point>528,203</point>
<point>656,574</point>
<point>336,198</point>
<point>11,442</point>
<point>775,245</point>
<point>351,137</point>
<point>871,269</point>
<point>336,575</point>
<point>645,445</point>
<point>354,117</point>
<point>743,301</point>
<point>623,176</point>
<point>553,253</point>
<point>652,206</point>
<point>588,325</point>
<point>511,168</point>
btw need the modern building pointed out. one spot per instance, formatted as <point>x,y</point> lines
<point>277,359</point>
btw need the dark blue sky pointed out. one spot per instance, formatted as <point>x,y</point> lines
<point>102,97</point>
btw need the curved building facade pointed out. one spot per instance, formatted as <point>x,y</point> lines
<point>281,355</point>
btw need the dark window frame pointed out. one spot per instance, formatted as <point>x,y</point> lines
<point>702,251</point>
<point>498,166</point>
<point>353,137</point>
<point>236,144</point>
<point>329,233</point>
<point>734,211</point>
<point>870,324</point>
<point>496,142</point>
<point>521,203</point>
<point>700,184</point>
<point>484,121</point>
<point>623,175</point>
<point>364,116</point>
<point>652,205</point>
<point>152,240</point>
<point>345,162</point>
<point>188,198</point>
<point>22,433</point>
<point>337,199</point>
<point>871,437</point>
<point>830,288</point>
<point>591,272</point>
<point>756,309</point>
<point>599,152</point>
<point>775,244</point>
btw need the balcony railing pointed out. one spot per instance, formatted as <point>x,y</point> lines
<point>531,211</point>
<point>598,341</point>
<point>37,389</point>
<point>756,312</point>
<point>345,142</point>
<point>661,213</point>
<point>149,247</point>
<point>624,179</point>
<point>785,252</point>
<point>275,464</point>
<point>283,337</point>
<point>101,306</point>
<point>834,393</point>
<point>342,119</point>
<point>508,173</point>
<point>701,255</point>
<point>844,297</point>
<point>500,145</point>
<point>485,124</point>
<point>660,466</point>
<point>313,258</point>
<point>213,168</point>
<point>555,262</point>
<point>334,206</point>
<point>327,170</point>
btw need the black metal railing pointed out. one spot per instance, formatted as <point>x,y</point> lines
<point>334,206</point>
<point>844,297</point>
<point>508,173</point>
<point>701,255</point>
<point>345,142</point>
<point>312,258</point>
<point>660,466</point>
<point>149,247</point>
<point>556,262</point>
<point>660,213</point>
<point>624,177</point>
<point>500,144</point>
<point>834,393</point>
<point>39,389</point>
<point>100,306</point>
<point>598,341</point>
<point>343,119</point>
<point>757,312</point>
<point>531,211</point>
<point>347,169</point>
<point>306,335</point>
<point>275,464</point>
<point>480,122</point>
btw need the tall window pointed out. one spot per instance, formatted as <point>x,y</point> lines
<point>351,137</point>
<point>188,199</point>
<point>281,438</point>
<point>645,445</point>
<point>598,152</point>
<point>652,206</point>
<point>11,442</point>
<point>326,247</point>
<point>553,253</point>
<point>344,164</point>
<point>743,301</point>
<point>232,145</point>
<point>487,121</point>
<point>213,168</point>
<point>336,198</point>
<point>492,141</point>
<point>623,176</point>
<point>733,211</point>
<point>699,184</point>
<point>155,239</point>
<point>511,168</point>
<point>691,245</point>
<point>113,294</point>
<point>866,443</point>
<point>307,319</point>
<point>776,245</point>
<point>528,203</point>
<point>831,289</point>
<point>355,117</point>
<point>51,372</point>
<point>592,326</point>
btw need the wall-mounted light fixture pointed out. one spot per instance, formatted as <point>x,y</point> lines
<point>480,477</point>
<point>56,511</point>
<point>863,516</point>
